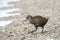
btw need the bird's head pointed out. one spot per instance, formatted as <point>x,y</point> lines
<point>29,17</point>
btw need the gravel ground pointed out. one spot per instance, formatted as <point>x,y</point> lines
<point>18,30</point>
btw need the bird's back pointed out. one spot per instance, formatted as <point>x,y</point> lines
<point>38,20</point>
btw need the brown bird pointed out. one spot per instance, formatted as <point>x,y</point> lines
<point>37,21</point>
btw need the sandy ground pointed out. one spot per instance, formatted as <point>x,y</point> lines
<point>18,30</point>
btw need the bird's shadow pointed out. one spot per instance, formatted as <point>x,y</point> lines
<point>38,32</point>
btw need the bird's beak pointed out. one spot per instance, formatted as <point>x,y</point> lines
<point>24,20</point>
<point>27,21</point>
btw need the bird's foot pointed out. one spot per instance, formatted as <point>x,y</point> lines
<point>43,31</point>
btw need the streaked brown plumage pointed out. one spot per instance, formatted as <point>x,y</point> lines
<point>37,21</point>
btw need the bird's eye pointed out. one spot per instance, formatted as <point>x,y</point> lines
<point>28,17</point>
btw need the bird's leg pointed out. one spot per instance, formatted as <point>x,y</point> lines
<point>36,27</point>
<point>42,29</point>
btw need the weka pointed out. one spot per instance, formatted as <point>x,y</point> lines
<point>37,21</point>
